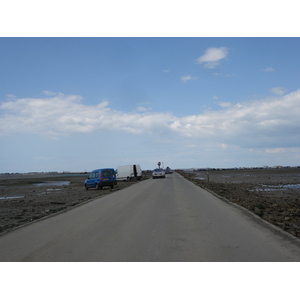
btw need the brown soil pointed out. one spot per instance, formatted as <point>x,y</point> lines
<point>272,194</point>
<point>261,191</point>
<point>23,200</point>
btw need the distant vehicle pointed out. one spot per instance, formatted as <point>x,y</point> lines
<point>129,172</point>
<point>158,173</point>
<point>100,178</point>
<point>168,170</point>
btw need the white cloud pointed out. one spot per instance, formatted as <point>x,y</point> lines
<point>269,69</point>
<point>143,109</point>
<point>49,93</point>
<point>269,123</point>
<point>224,104</point>
<point>163,141</point>
<point>43,158</point>
<point>66,114</point>
<point>11,96</point>
<point>251,124</point>
<point>212,56</point>
<point>278,91</point>
<point>276,150</point>
<point>187,78</point>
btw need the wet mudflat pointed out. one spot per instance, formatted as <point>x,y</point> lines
<point>25,198</point>
<point>272,194</point>
<point>162,220</point>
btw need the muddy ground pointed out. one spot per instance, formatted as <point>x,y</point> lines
<point>25,198</point>
<point>272,194</point>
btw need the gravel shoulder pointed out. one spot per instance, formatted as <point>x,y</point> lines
<point>26,198</point>
<point>272,194</point>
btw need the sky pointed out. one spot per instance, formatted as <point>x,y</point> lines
<point>77,104</point>
<point>95,86</point>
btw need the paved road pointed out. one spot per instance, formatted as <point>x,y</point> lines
<point>167,219</point>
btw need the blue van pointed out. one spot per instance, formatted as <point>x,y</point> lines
<point>100,178</point>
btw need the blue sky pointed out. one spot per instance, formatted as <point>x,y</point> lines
<point>76,104</point>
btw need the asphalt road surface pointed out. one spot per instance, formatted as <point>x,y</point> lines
<point>161,220</point>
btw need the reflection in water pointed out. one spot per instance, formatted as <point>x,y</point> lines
<point>52,183</point>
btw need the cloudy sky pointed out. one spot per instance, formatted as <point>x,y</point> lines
<point>76,104</point>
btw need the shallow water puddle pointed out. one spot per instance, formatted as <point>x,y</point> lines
<point>48,191</point>
<point>52,183</point>
<point>12,197</point>
<point>271,188</point>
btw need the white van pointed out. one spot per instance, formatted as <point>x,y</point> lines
<point>129,172</point>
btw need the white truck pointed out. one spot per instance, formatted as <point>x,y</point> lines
<point>129,172</point>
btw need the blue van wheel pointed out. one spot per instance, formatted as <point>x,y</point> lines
<point>86,187</point>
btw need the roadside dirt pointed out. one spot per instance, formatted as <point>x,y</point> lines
<point>25,198</point>
<point>272,194</point>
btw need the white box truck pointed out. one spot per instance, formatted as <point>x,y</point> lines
<point>129,172</point>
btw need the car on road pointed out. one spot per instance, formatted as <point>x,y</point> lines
<point>100,178</point>
<point>129,172</point>
<point>168,170</point>
<point>158,173</point>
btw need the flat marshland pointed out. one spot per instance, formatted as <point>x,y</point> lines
<point>272,194</point>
